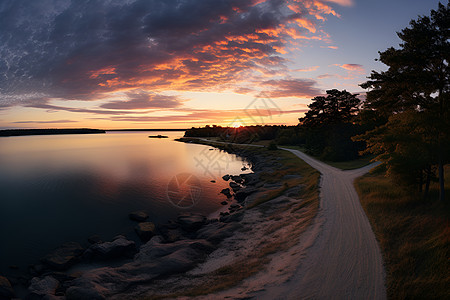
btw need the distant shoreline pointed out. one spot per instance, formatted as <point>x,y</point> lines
<point>146,129</point>
<point>56,131</point>
<point>24,132</point>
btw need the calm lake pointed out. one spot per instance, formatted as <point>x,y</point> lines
<point>60,188</point>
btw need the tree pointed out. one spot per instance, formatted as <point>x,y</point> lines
<point>417,81</point>
<point>337,107</point>
<point>329,124</point>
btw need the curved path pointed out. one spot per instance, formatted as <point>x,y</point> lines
<point>345,260</point>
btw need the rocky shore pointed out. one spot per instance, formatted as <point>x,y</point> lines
<point>186,256</point>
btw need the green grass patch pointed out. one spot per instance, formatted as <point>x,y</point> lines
<point>414,236</point>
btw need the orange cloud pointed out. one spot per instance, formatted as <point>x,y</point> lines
<point>352,67</point>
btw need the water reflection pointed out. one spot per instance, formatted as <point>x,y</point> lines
<point>62,188</point>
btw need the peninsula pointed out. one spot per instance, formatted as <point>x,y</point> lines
<point>51,131</point>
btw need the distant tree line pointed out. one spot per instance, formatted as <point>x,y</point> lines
<point>50,131</point>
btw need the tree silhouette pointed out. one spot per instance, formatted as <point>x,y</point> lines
<point>337,107</point>
<point>329,125</point>
<point>416,85</point>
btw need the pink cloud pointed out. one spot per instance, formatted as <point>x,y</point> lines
<point>342,2</point>
<point>309,69</point>
<point>352,67</point>
<point>291,87</point>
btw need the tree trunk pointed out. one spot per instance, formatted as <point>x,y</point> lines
<point>420,181</point>
<point>441,150</point>
<point>427,183</point>
<point>441,179</point>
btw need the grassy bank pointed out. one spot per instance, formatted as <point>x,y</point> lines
<point>414,236</point>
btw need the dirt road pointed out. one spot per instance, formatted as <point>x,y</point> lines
<point>344,262</point>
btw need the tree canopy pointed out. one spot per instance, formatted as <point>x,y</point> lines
<point>414,93</point>
<point>336,108</point>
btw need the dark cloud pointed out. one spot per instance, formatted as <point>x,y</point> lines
<point>44,104</point>
<point>85,49</point>
<point>291,88</point>
<point>144,100</point>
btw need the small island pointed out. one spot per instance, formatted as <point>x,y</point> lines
<point>158,136</point>
<point>51,131</point>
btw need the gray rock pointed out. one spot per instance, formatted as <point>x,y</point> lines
<point>93,239</point>
<point>172,235</point>
<point>139,216</point>
<point>130,281</point>
<point>155,248</point>
<point>115,249</point>
<point>64,256</point>
<point>250,178</point>
<point>216,232</point>
<point>243,193</point>
<point>6,290</point>
<point>226,192</point>
<point>43,286</point>
<point>235,217</point>
<point>145,230</point>
<point>191,222</point>
<point>81,293</point>
<point>237,178</point>
<point>236,187</point>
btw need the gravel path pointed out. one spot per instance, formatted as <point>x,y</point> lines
<point>344,261</point>
<point>341,258</point>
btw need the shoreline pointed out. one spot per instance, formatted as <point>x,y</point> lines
<point>179,246</point>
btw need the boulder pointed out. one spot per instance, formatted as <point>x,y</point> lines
<point>6,290</point>
<point>115,249</point>
<point>94,239</point>
<point>64,256</point>
<point>139,216</point>
<point>216,232</point>
<point>235,217</point>
<point>250,178</point>
<point>172,235</point>
<point>130,281</point>
<point>191,222</point>
<point>224,202</point>
<point>237,178</point>
<point>43,286</point>
<point>236,187</point>
<point>226,177</point>
<point>243,193</point>
<point>226,192</point>
<point>156,248</point>
<point>145,230</point>
<point>234,208</point>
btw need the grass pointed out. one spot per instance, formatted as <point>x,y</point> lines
<point>414,236</point>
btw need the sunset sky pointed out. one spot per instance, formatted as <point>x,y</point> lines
<point>177,64</point>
